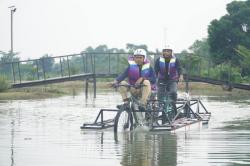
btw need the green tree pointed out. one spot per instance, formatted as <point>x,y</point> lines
<point>245,60</point>
<point>132,47</point>
<point>231,30</point>
<point>200,48</point>
<point>5,65</point>
<point>46,62</point>
<point>8,57</point>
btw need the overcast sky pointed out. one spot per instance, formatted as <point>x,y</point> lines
<point>60,27</point>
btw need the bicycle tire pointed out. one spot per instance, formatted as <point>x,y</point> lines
<point>123,121</point>
<point>167,115</point>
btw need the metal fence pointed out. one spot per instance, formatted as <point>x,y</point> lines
<point>63,66</point>
<point>109,64</point>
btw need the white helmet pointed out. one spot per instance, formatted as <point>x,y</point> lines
<point>140,52</point>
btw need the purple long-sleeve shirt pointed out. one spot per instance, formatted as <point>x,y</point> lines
<point>124,75</point>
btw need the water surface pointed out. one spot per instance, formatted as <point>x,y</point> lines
<point>47,133</point>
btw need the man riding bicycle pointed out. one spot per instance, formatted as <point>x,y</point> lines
<point>168,71</point>
<point>138,72</point>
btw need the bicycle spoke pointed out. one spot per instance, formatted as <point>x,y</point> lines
<point>123,121</point>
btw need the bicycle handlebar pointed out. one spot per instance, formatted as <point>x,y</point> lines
<point>163,84</point>
<point>136,86</point>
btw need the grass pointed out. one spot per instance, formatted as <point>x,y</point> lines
<point>4,85</point>
<point>75,87</point>
<point>205,89</point>
<point>41,92</point>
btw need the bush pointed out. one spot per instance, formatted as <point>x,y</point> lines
<point>4,85</point>
<point>226,72</point>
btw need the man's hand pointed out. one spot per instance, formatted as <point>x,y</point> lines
<point>139,81</point>
<point>113,84</point>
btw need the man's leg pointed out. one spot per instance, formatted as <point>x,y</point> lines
<point>161,92</point>
<point>173,94</point>
<point>123,91</point>
<point>146,92</point>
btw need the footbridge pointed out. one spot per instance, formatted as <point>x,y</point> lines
<point>91,66</point>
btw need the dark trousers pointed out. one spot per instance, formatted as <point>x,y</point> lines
<point>168,90</point>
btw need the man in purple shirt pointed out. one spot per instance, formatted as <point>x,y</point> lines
<point>138,72</point>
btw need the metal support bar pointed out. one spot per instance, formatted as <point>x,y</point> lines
<point>86,88</point>
<point>83,64</point>
<point>102,117</point>
<point>100,112</point>
<point>203,107</point>
<point>93,64</point>
<point>44,76</point>
<point>94,85</point>
<point>68,65</point>
<point>19,72</point>
<point>191,111</point>
<point>37,69</point>
<point>86,63</point>
<point>117,64</point>
<point>61,67</point>
<point>109,63</point>
<point>13,72</point>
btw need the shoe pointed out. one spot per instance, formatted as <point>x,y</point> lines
<point>147,116</point>
<point>122,106</point>
<point>142,108</point>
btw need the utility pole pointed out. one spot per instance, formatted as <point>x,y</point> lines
<point>165,38</point>
<point>12,10</point>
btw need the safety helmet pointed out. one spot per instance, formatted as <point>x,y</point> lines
<point>167,49</point>
<point>140,52</point>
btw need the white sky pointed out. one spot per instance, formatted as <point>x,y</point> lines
<point>60,27</point>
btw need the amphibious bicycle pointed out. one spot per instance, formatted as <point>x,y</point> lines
<point>158,115</point>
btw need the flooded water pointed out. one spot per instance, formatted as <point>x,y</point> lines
<point>47,133</point>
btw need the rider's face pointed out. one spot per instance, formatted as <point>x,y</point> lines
<point>139,59</point>
<point>167,53</point>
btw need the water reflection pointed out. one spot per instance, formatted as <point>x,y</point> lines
<point>147,148</point>
<point>140,148</point>
<point>46,132</point>
<point>12,142</point>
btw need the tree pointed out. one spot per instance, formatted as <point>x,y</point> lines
<point>101,49</point>
<point>200,48</point>
<point>231,30</point>
<point>6,68</point>
<point>245,60</point>
<point>46,62</point>
<point>8,57</point>
<point>132,47</point>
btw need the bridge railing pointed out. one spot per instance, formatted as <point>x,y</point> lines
<point>109,64</point>
<point>64,66</point>
<point>47,67</point>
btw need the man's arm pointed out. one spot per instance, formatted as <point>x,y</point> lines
<point>179,70</point>
<point>122,76</point>
<point>157,67</point>
<point>178,66</point>
<point>152,77</point>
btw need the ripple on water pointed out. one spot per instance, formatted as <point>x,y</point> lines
<point>46,132</point>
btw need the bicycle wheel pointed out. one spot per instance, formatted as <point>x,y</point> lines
<point>169,112</point>
<point>157,114</point>
<point>166,115</point>
<point>123,121</point>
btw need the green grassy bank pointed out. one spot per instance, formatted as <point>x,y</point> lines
<point>75,87</point>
